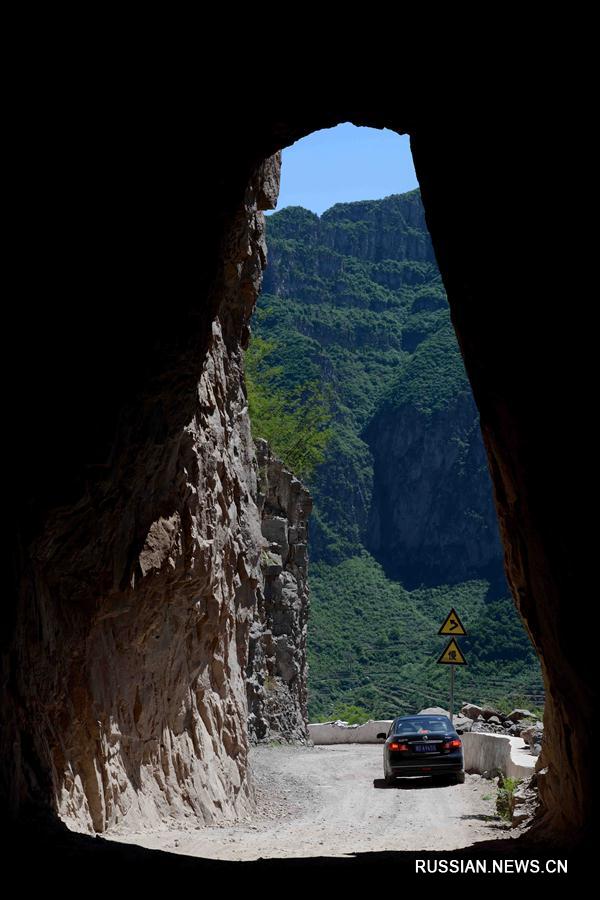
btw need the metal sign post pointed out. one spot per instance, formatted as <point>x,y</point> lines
<point>452,655</point>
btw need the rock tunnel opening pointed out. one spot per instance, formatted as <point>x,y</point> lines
<point>355,379</point>
<point>514,392</point>
<point>136,537</point>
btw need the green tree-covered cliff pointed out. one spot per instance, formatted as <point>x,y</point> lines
<point>403,528</point>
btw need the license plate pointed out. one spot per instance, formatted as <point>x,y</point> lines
<point>425,748</point>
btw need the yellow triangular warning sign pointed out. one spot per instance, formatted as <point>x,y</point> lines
<point>452,624</point>
<point>452,655</point>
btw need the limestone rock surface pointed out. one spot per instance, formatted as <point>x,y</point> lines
<point>130,645</point>
<point>277,666</point>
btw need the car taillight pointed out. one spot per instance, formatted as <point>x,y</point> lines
<point>452,745</point>
<point>395,746</point>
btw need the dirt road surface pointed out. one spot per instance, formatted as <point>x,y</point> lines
<point>332,801</point>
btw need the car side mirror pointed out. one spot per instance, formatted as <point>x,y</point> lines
<point>381,736</point>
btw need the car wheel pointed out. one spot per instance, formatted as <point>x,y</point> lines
<point>459,778</point>
<point>389,780</point>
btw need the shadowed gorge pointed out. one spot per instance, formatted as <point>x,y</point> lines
<point>136,531</point>
<point>404,520</point>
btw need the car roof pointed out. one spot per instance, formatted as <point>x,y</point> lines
<point>439,718</point>
<point>423,716</point>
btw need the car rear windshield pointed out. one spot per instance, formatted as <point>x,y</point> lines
<point>417,725</point>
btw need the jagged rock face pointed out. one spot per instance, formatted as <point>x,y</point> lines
<point>159,700</point>
<point>277,667</point>
<point>432,508</point>
<point>131,642</point>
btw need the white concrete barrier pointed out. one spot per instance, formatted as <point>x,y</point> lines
<point>342,733</point>
<point>485,752</point>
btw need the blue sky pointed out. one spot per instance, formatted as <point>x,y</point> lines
<point>338,165</point>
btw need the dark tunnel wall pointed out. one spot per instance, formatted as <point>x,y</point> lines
<point>121,242</point>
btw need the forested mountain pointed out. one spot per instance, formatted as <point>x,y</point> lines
<point>353,314</point>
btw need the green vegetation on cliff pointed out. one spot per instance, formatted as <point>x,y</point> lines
<point>432,377</point>
<point>353,321</point>
<point>294,420</point>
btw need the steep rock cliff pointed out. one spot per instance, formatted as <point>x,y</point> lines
<point>127,702</point>
<point>277,668</point>
<point>432,517</point>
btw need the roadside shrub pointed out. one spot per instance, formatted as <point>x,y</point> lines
<point>505,801</point>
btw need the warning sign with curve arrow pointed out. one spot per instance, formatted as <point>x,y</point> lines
<point>452,655</point>
<point>452,624</point>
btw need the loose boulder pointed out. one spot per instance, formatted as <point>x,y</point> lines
<point>462,723</point>
<point>471,711</point>
<point>517,714</point>
<point>533,737</point>
<point>525,802</point>
<point>488,712</point>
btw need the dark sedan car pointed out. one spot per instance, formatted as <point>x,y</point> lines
<point>422,745</point>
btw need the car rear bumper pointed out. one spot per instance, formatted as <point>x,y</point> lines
<point>422,764</point>
<point>432,769</point>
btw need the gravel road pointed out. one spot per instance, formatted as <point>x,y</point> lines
<point>332,801</point>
